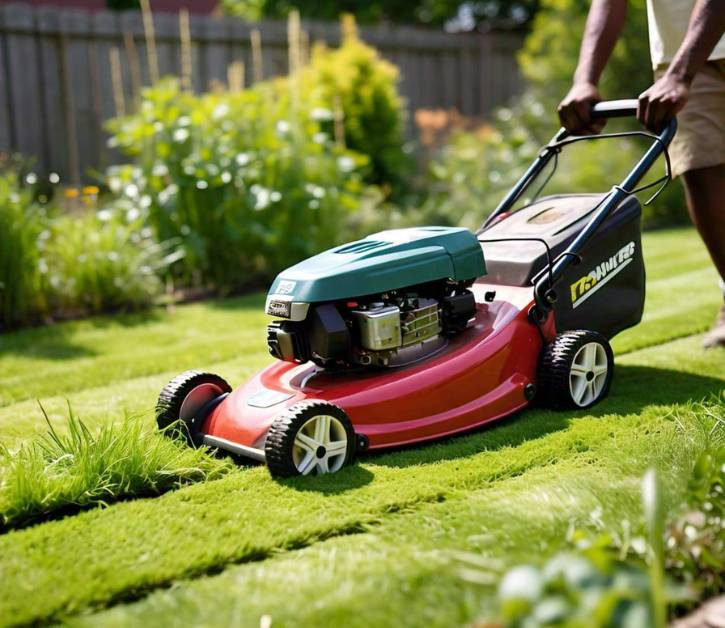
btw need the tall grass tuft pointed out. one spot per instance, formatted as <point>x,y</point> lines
<point>62,471</point>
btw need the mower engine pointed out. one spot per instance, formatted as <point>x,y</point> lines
<point>390,329</point>
<point>360,304</point>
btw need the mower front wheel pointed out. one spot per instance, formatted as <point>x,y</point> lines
<point>178,409</point>
<point>310,437</point>
<point>575,370</point>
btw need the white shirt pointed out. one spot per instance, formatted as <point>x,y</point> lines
<point>668,22</point>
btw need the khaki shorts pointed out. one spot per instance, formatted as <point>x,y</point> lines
<point>700,139</point>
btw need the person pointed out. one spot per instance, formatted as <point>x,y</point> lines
<point>687,46</point>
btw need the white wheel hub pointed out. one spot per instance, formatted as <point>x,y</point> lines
<point>320,445</point>
<point>588,374</point>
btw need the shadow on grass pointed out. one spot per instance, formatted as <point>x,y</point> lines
<point>634,389</point>
<point>55,341</point>
<point>253,302</point>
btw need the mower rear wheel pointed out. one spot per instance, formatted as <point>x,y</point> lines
<point>575,370</point>
<point>183,397</point>
<point>310,437</point>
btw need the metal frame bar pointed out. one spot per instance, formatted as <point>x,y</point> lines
<point>611,109</point>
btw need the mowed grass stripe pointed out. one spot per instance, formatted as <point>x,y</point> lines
<point>65,358</point>
<point>104,556</point>
<point>68,357</point>
<point>404,572</point>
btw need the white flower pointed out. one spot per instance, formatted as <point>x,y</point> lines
<point>345,163</point>
<point>504,114</point>
<point>181,135</point>
<point>183,121</point>
<point>319,138</point>
<point>262,197</point>
<point>31,178</point>
<point>243,159</point>
<point>283,127</point>
<point>105,215</point>
<point>131,190</point>
<point>321,115</point>
<point>54,177</point>
<point>132,214</point>
<point>221,110</point>
<point>315,190</point>
<point>160,170</point>
<point>201,184</point>
<point>226,177</point>
<point>112,256</point>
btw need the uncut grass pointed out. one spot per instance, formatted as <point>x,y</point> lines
<point>407,571</point>
<point>108,367</point>
<point>101,557</point>
<point>58,473</point>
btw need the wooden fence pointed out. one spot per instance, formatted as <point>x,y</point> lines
<point>57,69</point>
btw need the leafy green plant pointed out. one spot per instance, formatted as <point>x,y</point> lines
<point>695,540</point>
<point>76,468</point>
<point>472,171</point>
<point>247,183</point>
<point>614,578</point>
<point>21,223</point>
<point>355,84</point>
<point>102,261</point>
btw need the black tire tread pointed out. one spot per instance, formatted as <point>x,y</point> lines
<point>173,394</point>
<point>281,435</point>
<point>555,363</point>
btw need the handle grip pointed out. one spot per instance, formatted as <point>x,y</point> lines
<point>615,109</point>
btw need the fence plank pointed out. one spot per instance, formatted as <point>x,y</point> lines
<point>51,94</point>
<point>6,130</point>
<point>24,80</point>
<point>56,87</point>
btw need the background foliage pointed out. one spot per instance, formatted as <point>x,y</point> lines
<point>473,169</point>
<point>427,12</point>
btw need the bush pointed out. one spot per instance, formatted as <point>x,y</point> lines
<point>248,183</point>
<point>472,172</point>
<point>21,222</point>
<point>87,258</point>
<point>356,82</point>
<point>102,261</point>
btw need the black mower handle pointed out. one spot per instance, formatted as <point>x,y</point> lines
<point>544,287</point>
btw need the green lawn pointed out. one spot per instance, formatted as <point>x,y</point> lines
<point>375,544</point>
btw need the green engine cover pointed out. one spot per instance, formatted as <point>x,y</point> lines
<point>383,261</point>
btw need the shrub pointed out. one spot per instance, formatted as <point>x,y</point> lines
<point>21,222</point>
<point>102,261</point>
<point>58,471</point>
<point>355,82</point>
<point>78,258</point>
<point>245,185</point>
<point>471,172</point>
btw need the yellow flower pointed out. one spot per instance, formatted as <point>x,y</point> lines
<point>90,190</point>
<point>71,193</point>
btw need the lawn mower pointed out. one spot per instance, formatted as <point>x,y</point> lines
<point>415,334</point>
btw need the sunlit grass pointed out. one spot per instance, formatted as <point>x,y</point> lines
<point>61,471</point>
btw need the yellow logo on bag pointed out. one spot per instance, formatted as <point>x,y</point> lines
<point>587,285</point>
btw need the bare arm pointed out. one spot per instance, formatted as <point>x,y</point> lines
<point>604,25</point>
<point>670,93</point>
